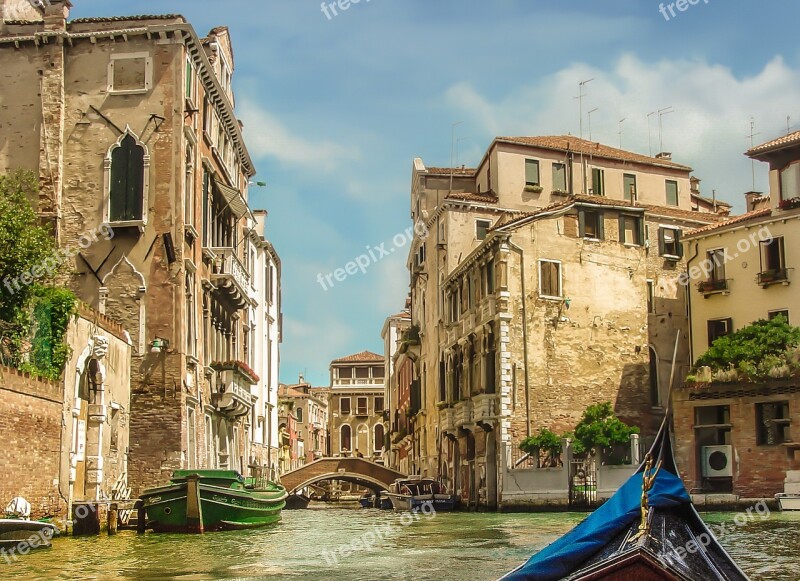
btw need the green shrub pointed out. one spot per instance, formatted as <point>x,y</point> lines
<point>600,429</point>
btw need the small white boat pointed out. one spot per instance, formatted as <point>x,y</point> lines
<point>416,492</point>
<point>788,501</point>
<point>34,534</point>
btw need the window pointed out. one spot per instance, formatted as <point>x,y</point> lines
<point>361,406</point>
<point>189,80</point>
<point>598,182</point>
<point>188,187</point>
<point>378,437</point>
<point>344,372</point>
<point>628,186</point>
<point>482,229</point>
<point>207,201</point>
<point>299,414</point>
<point>420,255</point>
<point>531,172</point>
<point>781,313</point>
<point>773,262</point>
<point>717,259</point>
<point>559,177</point>
<point>130,73</point>
<point>191,331</point>
<point>345,438</point>
<point>549,278</point>
<point>712,415</point>
<point>490,277</point>
<point>772,423</point>
<point>651,297</point>
<point>669,243</point>
<point>790,181</point>
<point>672,193</point>
<point>362,372</point>
<point>631,229</point>
<point>378,404</point>
<point>719,328</point>
<point>207,117</point>
<point>591,225</point>
<point>127,180</point>
<point>378,372</point>
<point>344,406</point>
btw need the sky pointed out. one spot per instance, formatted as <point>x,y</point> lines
<point>336,108</point>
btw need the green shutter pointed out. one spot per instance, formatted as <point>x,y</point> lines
<point>601,226</point>
<point>640,224</point>
<point>678,243</point>
<point>622,228</point>
<point>662,242</point>
<point>581,223</point>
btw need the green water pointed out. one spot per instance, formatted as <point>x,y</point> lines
<point>457,546</point>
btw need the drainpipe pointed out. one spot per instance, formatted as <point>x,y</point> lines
<point>571,173</point>
<point>521,253</point>
<point>689,302</point>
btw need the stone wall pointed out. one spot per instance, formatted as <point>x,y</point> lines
<point>30,429</point>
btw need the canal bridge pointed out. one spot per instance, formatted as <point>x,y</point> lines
<point>356,470</point>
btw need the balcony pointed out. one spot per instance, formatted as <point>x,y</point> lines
<point>713,287</point>
<point>233,398</point>
<point>463,413</point>
<point>773,276</point>
<point>486,407</point>
<point>230,277</point>
<point>447,420</point>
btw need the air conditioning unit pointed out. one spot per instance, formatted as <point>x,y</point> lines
<point>717,461</point>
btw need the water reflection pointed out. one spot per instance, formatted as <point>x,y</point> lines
<point>447,546</point>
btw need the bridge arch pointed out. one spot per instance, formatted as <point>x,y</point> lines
<point>361,480</point>
<point>356,470</point>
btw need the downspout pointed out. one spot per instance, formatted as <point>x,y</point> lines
<point>521,253</point>
<point>571,173</point>
<point>689,303</point>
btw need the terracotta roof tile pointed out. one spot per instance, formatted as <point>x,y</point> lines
<point>735,220</point>
<point>711,201</point>
<point>779,143</point>
<point>445,171</point>
<point>126,18</point>
<point>673,212</point>
<point>363,357</point>
<point>483,197</point>
<point>578,145</point>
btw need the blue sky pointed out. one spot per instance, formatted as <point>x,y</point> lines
<point>336,109</point>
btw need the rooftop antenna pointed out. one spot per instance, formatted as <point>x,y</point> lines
<point>661,113</point>
<point>752,144</point>
<point>580,97</point>
<point>649,134</point>
<point>590,121</point>
<point>458,141</point>
<point>453,150</point>
<point>621,121</point>
<point>788,124</point>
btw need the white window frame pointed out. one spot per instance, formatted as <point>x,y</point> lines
<point>560,279</point>
<point>148,73</point>
<point>488,227</point>
<point>145,182</point>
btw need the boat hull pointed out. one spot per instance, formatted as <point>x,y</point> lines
<point>426,502</point>
<point>35,534</point>
<point>221,508</point>
<point>789,502</point>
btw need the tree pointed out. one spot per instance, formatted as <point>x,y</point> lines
<point>546,446</point>
<point>600,429</point>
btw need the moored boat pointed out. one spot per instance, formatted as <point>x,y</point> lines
<point>17,532</point>
<point>648,530</point>
<point>788,501</point>
<point>368,501</point>
<point>196,501</point>
<point>414,492</point>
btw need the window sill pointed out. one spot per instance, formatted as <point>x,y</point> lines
<point>141,91</point>
<point>191,232</point>
<point>671,257</point>
<point>551,298</point>
<point>592,239</point>
<point>631,245</point>
<point>138,224</point>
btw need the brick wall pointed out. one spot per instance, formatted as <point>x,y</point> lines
<point>30,429</point>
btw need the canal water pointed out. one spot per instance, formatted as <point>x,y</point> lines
<point>314,543</point>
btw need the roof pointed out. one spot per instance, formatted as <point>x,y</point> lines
<point>711,201</point>
<point>779,143</point>
<point>126,18</point>
<point>732,221</point>
<point>363,357</point>
<point>446,171</point>
<point>482,197</point>
<point>578,145</point>
<point>511,218</point>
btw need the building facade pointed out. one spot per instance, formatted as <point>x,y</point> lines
<point>739,437</point>
<point>396,335</point>
<point>356,406</point>
<point>129,123</point>
<point>311,414</point>
<point>547,282</point>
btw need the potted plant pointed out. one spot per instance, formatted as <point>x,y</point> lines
<point>789,204</point>
<point>559,192</point>
<point>711,285</point>
<point>535,188</point>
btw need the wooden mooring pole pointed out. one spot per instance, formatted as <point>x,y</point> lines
<point>113,518</point>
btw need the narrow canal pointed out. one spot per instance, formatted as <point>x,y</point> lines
<point>308,545</point>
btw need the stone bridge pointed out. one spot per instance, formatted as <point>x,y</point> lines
<point>357,470</point>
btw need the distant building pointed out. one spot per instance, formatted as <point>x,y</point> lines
<point>398,337</point>
<point>547,282</point>
<point>291,447</point>
<point>311,413</point>
<point>742,438</point>
<point>356,406</point>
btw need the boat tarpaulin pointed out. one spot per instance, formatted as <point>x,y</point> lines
<point>565,555</point>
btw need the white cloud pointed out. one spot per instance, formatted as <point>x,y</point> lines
<point>708,129</point>
<point>267,137</point>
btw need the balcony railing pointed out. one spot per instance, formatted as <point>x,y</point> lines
<point>773,276</point>
<point>230,275</point>
<point>463,411</point>
<point>712,286</point>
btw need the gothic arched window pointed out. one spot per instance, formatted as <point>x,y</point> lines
<point>127,180</point>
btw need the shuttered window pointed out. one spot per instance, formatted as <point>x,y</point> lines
<point>127,181</point>
<point>591,224</point>
<point>531,172</point>
<point>628,186</point>
<point>672,193</point>
<point>549,278</point>
<point>598,182</point>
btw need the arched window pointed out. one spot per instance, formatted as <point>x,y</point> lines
<point>378,437</point>
<point>299,414</point>
<point>345,443</point>
<point>127,165</point>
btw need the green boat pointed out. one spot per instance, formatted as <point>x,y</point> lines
<point>196,501</point>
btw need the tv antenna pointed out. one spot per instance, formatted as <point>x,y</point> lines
<point>661,113</point>
<point>621,121</point>
<point>580,97</point>
<point>589,114</point>
<point>752,144</point>
<point>649,134</point>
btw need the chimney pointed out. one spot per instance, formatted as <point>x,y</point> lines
<point>56,13</point>
<point>666,155</point>
<point>694,184</point>
<point>750,199</point>
<point>301,380</point>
